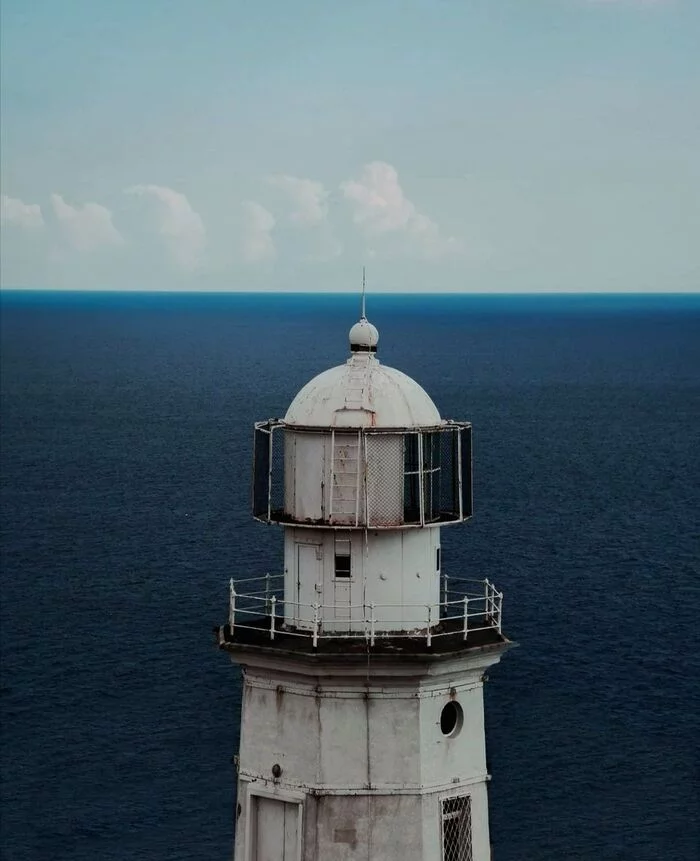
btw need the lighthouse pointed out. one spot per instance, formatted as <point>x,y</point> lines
<point>362,718</point>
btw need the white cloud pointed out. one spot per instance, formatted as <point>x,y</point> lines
<point>381,208</point>
<point>378,199</point>
<point>180,226</point>
<point>310,212</point>
<point>310,198</point>
<point>258,244</point>
<point>88,227</point>
<point>16,212</point>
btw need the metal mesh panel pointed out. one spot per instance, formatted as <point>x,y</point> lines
<point>261,471</point>
<point>277,472</point>
<point>431,475</point>
<point>467,504</point>
<point>411,479</point>
<point>449,500</point>
<point>457,828</point>
<point>384,479</point>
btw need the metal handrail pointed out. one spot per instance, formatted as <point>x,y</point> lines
<point>265,578</point>
<point>486,607</point>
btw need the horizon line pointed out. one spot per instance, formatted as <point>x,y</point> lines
<point>428,292</point>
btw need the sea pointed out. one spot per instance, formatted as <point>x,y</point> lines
<point>127,430</point>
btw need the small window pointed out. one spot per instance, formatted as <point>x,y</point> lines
<point>342,565</point>
<point>343,568</point>
<point>437,559</point>
<point>457,828</point>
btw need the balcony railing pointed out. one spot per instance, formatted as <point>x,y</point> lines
<point>467,606</point>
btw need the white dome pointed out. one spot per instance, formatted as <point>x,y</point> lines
<point>363,393</point>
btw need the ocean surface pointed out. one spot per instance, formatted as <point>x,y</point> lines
<point>126,459</point>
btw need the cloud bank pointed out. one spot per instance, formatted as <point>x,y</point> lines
<point>86,227</point>
<point>309,197</point>
<point>381,207</point>
<point>180,226</point>
<point>302,223</point>
<point>16,212</point>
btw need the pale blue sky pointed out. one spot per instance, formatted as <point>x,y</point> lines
<point>452,145</point>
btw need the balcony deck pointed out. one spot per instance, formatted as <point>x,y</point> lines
<point>467,618</point>
<point>447,638</point>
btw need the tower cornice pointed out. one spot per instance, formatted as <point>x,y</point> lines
<point>337,658</point>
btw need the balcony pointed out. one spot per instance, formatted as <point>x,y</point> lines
<point>468,614</point>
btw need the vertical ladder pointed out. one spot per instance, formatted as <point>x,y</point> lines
<point>345,490</point>
<point>356,385</point>
<point>346,448</point>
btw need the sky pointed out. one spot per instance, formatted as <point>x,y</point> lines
<point>448,145</point>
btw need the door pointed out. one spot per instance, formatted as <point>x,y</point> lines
<point>275,826</point>
<point>309,582</point>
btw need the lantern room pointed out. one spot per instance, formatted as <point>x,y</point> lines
<point>362,446</point>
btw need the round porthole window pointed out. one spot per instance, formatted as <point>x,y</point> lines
<point>451,719</point>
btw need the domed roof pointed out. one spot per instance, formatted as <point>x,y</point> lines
<point>363,392</point>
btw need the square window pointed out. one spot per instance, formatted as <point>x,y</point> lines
<point>342,565</point>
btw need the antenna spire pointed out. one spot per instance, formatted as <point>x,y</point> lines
<point>363,315</point>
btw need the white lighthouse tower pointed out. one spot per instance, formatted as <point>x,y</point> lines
<point>362,727</point>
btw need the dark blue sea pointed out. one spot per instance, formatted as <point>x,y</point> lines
<point>126,460</point>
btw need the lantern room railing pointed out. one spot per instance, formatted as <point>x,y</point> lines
<point>258,604</point>
<point>374,478</point>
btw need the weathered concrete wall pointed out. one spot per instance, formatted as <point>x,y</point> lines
<point>359,748</point>
<point>334,738</point>
<point>446,759</point>
<point>350,828</point>
<point>369,760</point>
<point>394,827</point>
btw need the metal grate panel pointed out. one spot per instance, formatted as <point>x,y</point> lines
<point>457,828</point>
<point>385,479</point>
<point>432,458</point>
<point>277,471</point>
<point>449,485</point>
<point>261,472</point>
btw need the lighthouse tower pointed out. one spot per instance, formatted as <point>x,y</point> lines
<point>362,727</point>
